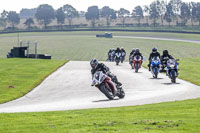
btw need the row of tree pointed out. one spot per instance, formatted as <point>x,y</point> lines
<point>174,10</point>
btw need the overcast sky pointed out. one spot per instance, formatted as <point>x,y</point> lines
<point>80,5</point>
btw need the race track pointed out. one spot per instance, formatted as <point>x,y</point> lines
<point>70,88</point>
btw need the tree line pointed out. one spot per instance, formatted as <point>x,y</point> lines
<point>174,10</point>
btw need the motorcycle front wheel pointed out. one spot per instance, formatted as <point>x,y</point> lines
<point>107,91</point>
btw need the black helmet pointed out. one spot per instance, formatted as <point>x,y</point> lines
<point>137,50</point>
<point>154,50</point>
<point>165,52</point>
<point>94,62</point>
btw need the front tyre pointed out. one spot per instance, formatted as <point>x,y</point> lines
<point>173,77</point>
<point>136,67</point>
<point>156,72</point>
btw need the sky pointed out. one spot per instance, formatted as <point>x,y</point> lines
<point>80,5</point>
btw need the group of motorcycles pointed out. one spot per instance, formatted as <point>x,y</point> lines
<point>171,66</point>
<point>117,57</point>
<point>110,89</point>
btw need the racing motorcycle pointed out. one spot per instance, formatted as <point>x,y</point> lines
<point>123,57</point>
<point>155,66</point>
<point>172,69</point>
<point>113,56</point>
<point>106,86</point>
<point>136,63</point>
<point>117,58</point>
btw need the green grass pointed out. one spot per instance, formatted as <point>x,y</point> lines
<point>190,70</point>
<point>68,45</point>
<point>169,117</point>
<point>172,117</point>
<point>19,76</point>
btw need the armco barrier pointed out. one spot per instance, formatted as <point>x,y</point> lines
<point>98,29</point>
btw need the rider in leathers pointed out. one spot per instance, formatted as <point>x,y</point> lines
<point>165,55</point>
<point>153,54</point>
<point>137,52</point>
<point>131,55</point>
<point>96,66</point>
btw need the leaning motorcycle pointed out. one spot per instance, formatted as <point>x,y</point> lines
<point>106,86</point>
<point>155,66</point>
<point>117,58</point>
<point>172,69</point>
<point>136,64</point>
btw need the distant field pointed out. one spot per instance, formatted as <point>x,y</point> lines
<point>84,45</point>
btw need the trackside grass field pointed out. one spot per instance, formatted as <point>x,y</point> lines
<point>172,117</point>
<point>19,76</point>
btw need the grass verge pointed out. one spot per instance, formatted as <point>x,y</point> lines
<point>19,76</point>
<point>172,117</point>
<point>190,70</point>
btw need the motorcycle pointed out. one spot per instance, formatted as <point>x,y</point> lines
<point>106,86</point>
<point>117,58</point>
<point>123,57</point>
<point>112,56</point>
<point>155,66</point>
<point>136,64</point>
<point>172,69</point>
<point>109,57</point>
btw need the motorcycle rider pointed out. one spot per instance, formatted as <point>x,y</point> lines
<point>96,66</point>
<point>153,54</point>
<point>137,52</point>
<point>113,54</point>
<point>123,53</point>
<point>131,55</point>
<point>163,57</point>
<point>109,54</point>
<point>118,50</point>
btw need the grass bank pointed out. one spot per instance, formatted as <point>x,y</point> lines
<point>172,117</point>
<point>19,76</point>
<point>190,70</point>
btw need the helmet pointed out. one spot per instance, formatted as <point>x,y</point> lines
<point>133,50</point>
<point>94,62</point>
<point>154,50</point>
<point>122,48</point>
<point>137,50</point>
<point>118,48</point>
<point>165,52</point>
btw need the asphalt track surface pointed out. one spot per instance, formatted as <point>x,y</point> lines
<point>70,88</point>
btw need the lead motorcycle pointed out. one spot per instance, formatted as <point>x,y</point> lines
<point>136,64</point>
<point>172,69</point>
<point>155,66</point>
<point>106,86</point>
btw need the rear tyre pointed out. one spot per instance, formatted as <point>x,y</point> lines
<point>121,93</point>
<point>107,92</point>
